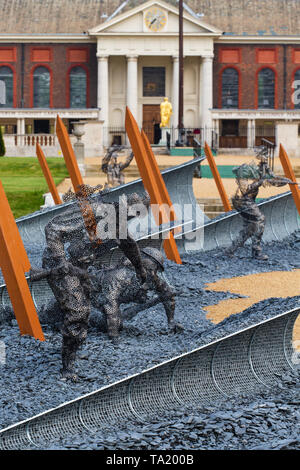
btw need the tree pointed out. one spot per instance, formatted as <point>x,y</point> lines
<point>2,145</point>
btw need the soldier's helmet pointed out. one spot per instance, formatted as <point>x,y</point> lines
<point>154,254</point>
<point>246,171</point>
<point>261,153</point>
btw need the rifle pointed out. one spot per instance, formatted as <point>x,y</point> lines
<point>39,274</point>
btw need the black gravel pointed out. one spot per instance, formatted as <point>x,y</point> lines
<point>30,380</point>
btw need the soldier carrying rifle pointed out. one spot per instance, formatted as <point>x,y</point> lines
<point>71,284</point>
<point>112,168</point>
<point>244,201</point>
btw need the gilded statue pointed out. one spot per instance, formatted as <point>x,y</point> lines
<point>165,112</point>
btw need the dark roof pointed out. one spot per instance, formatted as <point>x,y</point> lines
<point>239,17</point>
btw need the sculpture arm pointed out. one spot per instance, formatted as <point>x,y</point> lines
<point>106,159</point>
<point>254,187</point>
<point>127,162</point>
<point>131,250</point>
<point>58,230</point>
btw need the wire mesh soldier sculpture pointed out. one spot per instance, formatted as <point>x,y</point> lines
<point>112,168</point>
<point>120,285</point>
<point>69,279</point>
<point>244,201</point>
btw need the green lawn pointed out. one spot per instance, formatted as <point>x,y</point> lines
<point>24,182</point>
<point>224,170</point>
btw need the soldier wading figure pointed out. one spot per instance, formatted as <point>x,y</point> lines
<point>112,168</point>
<point>244,202</point>
<point>68,277</point>
<point>120,285</point>
<point>72,262</point>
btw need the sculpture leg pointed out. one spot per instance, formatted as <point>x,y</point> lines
<point>167,296</point>
<point>113,317</point>
<point>241,239</point>
<point>256,239</point>
<point>73,297</point>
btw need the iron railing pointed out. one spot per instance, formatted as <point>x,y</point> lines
<point>270,146</point>
<point>30,140</point>
<point>197,153</point>
<point>247,137</point>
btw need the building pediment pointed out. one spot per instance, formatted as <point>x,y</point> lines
<point>154,17</point>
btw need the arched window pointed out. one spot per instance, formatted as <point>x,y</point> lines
<point>230,88</point>
<point>41,87</point>
<point>266,88</point>
<point>78,87</point>
<point>6,87</point>
<point>296,90</point>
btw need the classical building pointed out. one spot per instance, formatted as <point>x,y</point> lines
<point>88,60</point>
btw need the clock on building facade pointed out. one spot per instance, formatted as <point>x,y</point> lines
<point>155,19</point>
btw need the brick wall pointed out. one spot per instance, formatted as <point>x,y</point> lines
<point>249,59</point>
<point>58,59</point>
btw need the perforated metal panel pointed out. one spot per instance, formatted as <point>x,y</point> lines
<point>242,363</point>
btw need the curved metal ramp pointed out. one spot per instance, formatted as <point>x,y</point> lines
<point>179,183</point>
<point>281,220</point>
<point>244,362</point>
<point>281,214</point>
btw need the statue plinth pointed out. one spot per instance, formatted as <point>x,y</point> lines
<point>163,139</point>
<point>78,132</point>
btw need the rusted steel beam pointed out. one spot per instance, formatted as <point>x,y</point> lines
<point>9,226</point>
<point>289,173</point>
<point>217,178</point>
<point>76,178</point>
<point>152,181</point>
<point>68,153</point>
<point>47,173</point>
<point>14,263</point>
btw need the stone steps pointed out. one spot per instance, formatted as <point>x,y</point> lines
<point>212,215</point>
<point>212,207</point>
<point>129,172</point>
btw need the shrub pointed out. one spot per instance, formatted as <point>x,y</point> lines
<point>2,145</point>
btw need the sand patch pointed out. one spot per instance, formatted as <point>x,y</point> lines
<point>255,287</point>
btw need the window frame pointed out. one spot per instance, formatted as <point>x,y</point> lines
<point>221,86</point>
<point>293,89</point>
<point>4,64</point>
<point>44,65</point>
<point>68,91</point>
<point>164,68</point>
<point>275,86</point>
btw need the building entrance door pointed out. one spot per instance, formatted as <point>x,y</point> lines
<point>41,126</point>
<point>151,121</point>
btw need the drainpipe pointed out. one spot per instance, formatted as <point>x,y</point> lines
<point>284,76</point>
<point>22,74</point>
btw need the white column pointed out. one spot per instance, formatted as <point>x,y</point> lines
<point>206,96</point>
<point>132,84</point>
<point>22,125</point>
<point>216,128</point>
<point>249,133</point>
<point>19,126</point>
<point>20,130</point>
<point>253,132</point>
<point>103,94</point>
<point>175,91</point>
